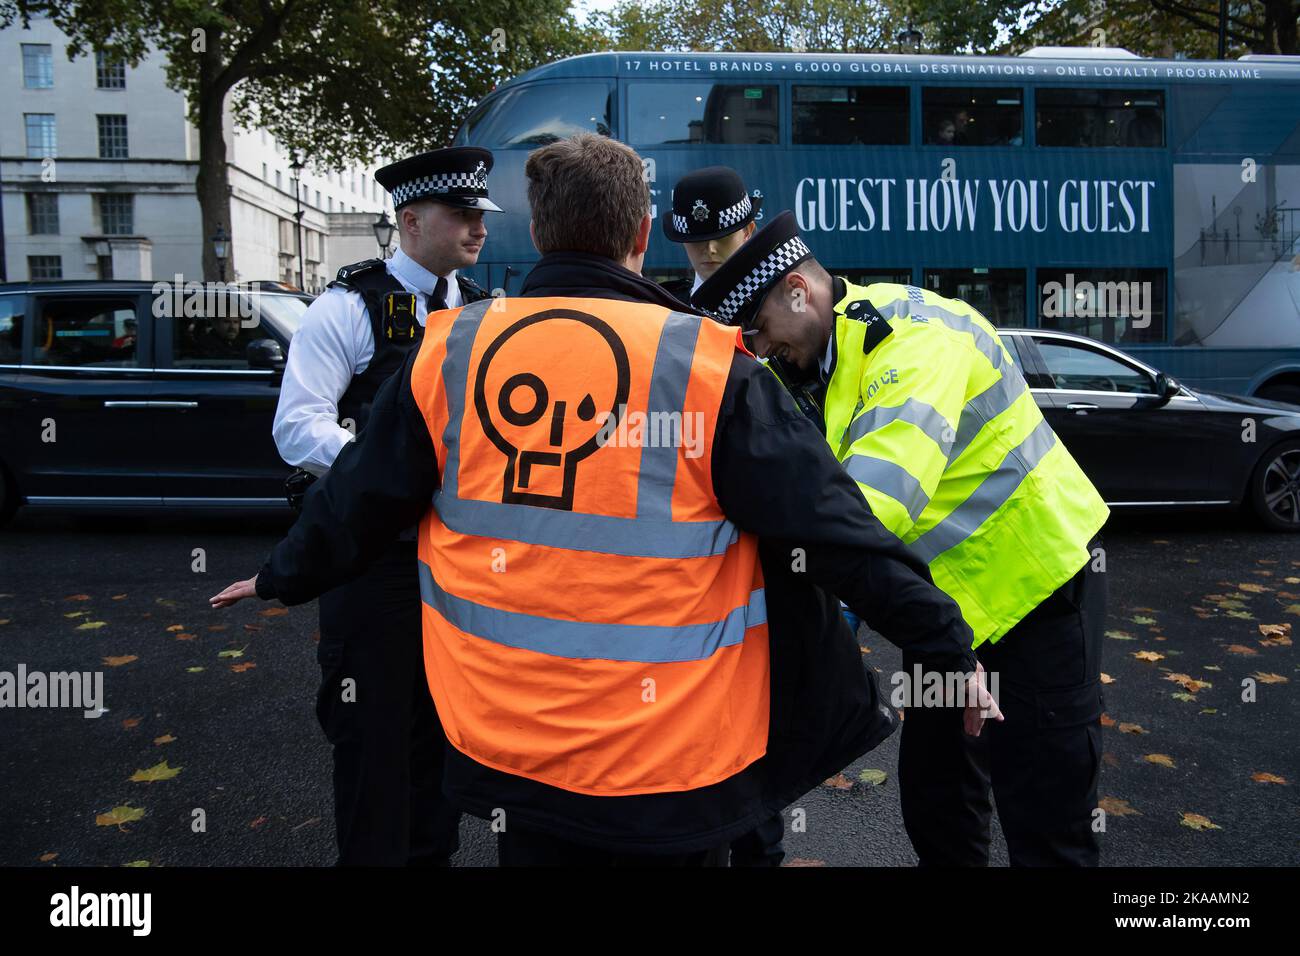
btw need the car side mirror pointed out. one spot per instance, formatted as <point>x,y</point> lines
<point>1166,388</point>
<point>265,354</point>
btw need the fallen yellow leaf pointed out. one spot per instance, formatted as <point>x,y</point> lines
<point>119,661</point>
<point>1198,822</point>
<point>1275,630</point>
<point>1117,808</point>
<point>159,771</point>
<point>1268,778</point>
<point>1107,720</point>
<point>839,782</point>
<point>1131,729</point>
<point>1107,679</point>
<point>119,597</point>
<point>1269,678</point>
<point>240,668</point>
<point>274,611</point>
<point>164,739</point>
<point>175,627</point>
<point>77,597</point>
<point>46,857</point>
<point>1149,656</point>
<point>118,816</point>
<point>1241,649</point>
<point>130,723</point>
<point>1250,588</point>
<point>92,625</point>
<point>1188,683</point>
<point>1163,760</point>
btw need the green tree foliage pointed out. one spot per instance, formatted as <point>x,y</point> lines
<point>341,80</point>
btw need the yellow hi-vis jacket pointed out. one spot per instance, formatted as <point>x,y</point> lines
<point>936,424</point>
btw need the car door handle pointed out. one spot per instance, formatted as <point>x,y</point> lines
<point>151,404</point>
<point>1082,408</point>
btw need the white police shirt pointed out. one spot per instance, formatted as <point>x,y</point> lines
<point>333,344</point>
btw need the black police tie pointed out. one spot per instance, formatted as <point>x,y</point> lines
<point>438,300</point>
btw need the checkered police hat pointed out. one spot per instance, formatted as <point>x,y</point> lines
<point>456,176</point>
<point>708,204</point>
<point>737,289</point>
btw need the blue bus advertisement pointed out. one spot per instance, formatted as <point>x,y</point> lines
<point>1150,204</point>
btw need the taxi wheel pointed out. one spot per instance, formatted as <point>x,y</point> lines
<point>1275,487</point>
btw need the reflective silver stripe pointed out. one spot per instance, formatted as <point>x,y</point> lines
<point>576,531</point>
<point>995,399</point>
<point>584,640</point>
<point>889,478</point>
<point>668,381</point>
<point>914,412</point>
<point>988,497</point>
<point>658,537</point>
<point>455,375</point>
<point>986,406</point>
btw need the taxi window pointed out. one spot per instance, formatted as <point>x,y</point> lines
<point>12,308</point>
<point>534,116</point>
<point>97,333</point>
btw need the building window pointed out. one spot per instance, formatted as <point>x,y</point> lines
<point>331,203</point>
<point>44,267</point>
<point>318,199</point>
<point>277,179</point>
<point>40,135</point>
<point>43,214</point>
<point>264,173</point>
<point>109,75</point>
<point>38,66</point>
<point>112,136</point>
<point>116,214</point>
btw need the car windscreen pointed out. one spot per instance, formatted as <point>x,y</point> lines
<point>285,312</point>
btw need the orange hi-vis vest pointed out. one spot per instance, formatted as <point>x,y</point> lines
<point>592,620</point>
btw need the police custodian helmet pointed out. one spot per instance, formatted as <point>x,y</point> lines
<point>709,203</point>
<point>456,176</point>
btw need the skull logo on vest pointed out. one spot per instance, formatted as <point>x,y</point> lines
<point>539,391</point>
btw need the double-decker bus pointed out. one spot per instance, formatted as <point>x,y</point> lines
<point>1151,204</point>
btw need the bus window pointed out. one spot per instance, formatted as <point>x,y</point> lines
<point>975,116</point>
<point>537,115</point>
<point>704,113</point>
<point>997,294</point>
<point>850,115</point>
<point>1121,306</point>
<point>869,276</point>
<point>1097,117</point>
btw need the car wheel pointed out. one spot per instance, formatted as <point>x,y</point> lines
<point>1281,393</point>
<point>1275,487</point>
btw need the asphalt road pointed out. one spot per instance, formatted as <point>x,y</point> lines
<point>227,699</point>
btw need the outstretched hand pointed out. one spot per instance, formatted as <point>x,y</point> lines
<point>235,593</point>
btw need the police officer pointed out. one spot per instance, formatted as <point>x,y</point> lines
<point>925,409</point>
<point>712,215</point>
<point>374,704</point>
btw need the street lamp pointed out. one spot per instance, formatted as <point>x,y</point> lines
<point>383,232</point>
<point>221,248</point>
<point>910,39</point>
<point>297,166</point>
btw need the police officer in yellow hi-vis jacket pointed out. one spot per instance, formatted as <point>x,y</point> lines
<point>927,412</point>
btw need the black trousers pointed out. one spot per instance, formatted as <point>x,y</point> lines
<point>1043,762</point>
<point>375,708</point>
<point>517,847</point>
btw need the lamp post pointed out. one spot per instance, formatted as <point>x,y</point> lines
<point>297,166</point>
<point>383,232</point>
<point>910,39</point>
<point>221,248</point>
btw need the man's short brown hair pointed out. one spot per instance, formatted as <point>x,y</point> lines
<point>587,194</point>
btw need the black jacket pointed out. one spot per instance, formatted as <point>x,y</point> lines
<point>774,476</point>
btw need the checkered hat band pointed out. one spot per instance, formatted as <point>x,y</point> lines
<point>733,214</point>
<point>774,264</point>
<point>437,185</point>
<point>914,294</point>
<point>679,223</point>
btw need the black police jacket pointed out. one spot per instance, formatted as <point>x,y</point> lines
<point>774,476</point>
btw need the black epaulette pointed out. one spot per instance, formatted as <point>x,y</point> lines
<point>878,327</point>
<point>347,274</point>
<point>471,291</point>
